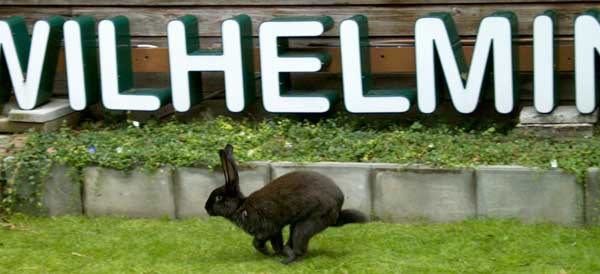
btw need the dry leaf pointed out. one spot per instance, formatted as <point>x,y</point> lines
<point>78,254</point>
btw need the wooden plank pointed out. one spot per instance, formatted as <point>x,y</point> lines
<point>215,42</point>
<point>383,59</point>
<point>33,14</point>
<point>383,21</point>
<point>265,2</point>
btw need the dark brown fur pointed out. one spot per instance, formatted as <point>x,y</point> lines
<point>307,201</point>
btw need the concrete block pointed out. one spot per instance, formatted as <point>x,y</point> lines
<point>560,115</point>
<point>62,194</point>
<point>52,110</point>
<point>592,197</point>
<point>135,193</point>
<point>556,130</point>
<point>424,194</point>
<point>69,120</point>
<point>352,178</point>
<point>5,124</point>
<point>528,194</point>
<point>194,185</point>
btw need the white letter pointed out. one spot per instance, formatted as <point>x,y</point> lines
<point>587,46</point>
<point>356,73</point>
<point>236,62</point>
<point>272,65</point>
<point>81,62</point>
<point>544,95</point>
<point>431,35</point>
<point>116,71</point>
<point>40,52</point>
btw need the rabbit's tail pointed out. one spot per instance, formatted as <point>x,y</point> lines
<point>348,216</point>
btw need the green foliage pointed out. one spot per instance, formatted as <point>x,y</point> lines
<point>110,245</point>
<point>343,138</point>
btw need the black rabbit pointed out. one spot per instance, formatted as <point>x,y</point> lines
<point>307,201</point>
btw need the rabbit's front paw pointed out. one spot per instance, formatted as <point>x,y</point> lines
<point>261,246</point>
<point>291,255</point>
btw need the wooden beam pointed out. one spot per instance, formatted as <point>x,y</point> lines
<point>384,21</point>
<point>264,2</point>
<point>383,59</point>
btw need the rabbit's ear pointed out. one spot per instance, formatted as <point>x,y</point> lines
<point>229,150</point>
<point>230,169</point>
<point>224,165</point>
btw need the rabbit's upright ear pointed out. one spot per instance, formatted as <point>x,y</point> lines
<point>224,164</point>
<point>230,168</point>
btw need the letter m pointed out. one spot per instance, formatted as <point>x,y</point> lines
<point>437,33</point>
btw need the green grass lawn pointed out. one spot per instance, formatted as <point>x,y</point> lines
<point>112,245</point>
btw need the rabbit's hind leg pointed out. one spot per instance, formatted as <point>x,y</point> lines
<point>290,242</point>
<point>302,232</point>
<point>277,243</point>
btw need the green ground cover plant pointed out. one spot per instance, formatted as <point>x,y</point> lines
<point>341,138</point>
<point>113,245</point>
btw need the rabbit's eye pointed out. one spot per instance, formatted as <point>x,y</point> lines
<point>218,198</point>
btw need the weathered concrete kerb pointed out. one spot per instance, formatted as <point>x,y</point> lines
<point>388,192</point>
<point>61,192</point>
<point>528,194</point>
<point>135,193</point>
<point>417,194</point>
<point>592,197</point>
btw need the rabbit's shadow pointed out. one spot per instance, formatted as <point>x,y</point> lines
<point>227,256</point>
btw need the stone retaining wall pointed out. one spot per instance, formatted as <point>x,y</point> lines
<point>390,193</point>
